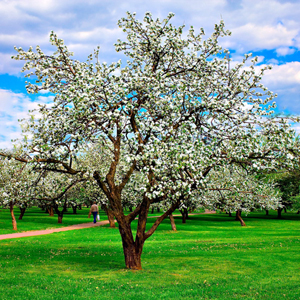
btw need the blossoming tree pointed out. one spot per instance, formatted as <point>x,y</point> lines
<point>173,113</point>
<point>15,181</point>
<point>234,190</point>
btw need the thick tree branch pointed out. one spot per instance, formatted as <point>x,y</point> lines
<point>160,219</point>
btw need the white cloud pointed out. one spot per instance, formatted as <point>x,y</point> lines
<point>285,81</point>
<point>256,37</point>
<point>9,66</point>
<point>283,76</point>
<point>272,61</point>
<point>283,51</point>
<point>15,106</point>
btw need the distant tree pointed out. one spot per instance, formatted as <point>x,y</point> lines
<point>53,189</point>
<point>15,182</point>
<point>288,183</point>
<point>234,190</point>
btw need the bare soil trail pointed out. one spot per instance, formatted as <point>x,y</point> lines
<point>72,227</point>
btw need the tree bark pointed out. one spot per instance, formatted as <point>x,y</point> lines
<point>74,207</point>
<point>65,209</point>
<point>239,218</point>
<point>22,212</point>
<point>110,215</point>
<point>267,212</point>
<point>186,213</point>
<point>183,216</point>
<point>132,250</point>
<point>13,219</point>
<point>50,211</point>
<point>60,214</point>
<point>237,215</point>
<point>279,210</point>
<point>111,219</point>
<point>133,256</point>
<point>172,222</point>
<point>285,209</point>
<point>230,215</point>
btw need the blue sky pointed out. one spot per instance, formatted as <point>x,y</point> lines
<point>269,29</point>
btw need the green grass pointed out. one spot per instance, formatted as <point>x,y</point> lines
<point>210,257</point>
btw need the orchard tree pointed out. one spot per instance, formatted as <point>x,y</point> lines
<point>172,112</point>
<point>288,182</point>
<point>52,188</point>
<point>233,190</point>
<point>15,185</point>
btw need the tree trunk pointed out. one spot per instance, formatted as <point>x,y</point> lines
<point>132,250</point>
<point>79,206</point>
<point>22,210</point>
<point>13,219</point>
<point>267,212</point>
<point>172,222</point>
<point>50,211</point>
<point>74,207</point>
<point>298,212</point>
<point>285,209</point>
<point>133,256</point>
<point>110,215</point>
<point>111,219</point>
<point>65,209</point>
<point>183,216</point>
<point>239,218</point>
<point>152,210</point>
<point>237,215</point>
<point>230,215</point>
<point>279,210</point>
<point>186,213</point>
<point>60,214</point>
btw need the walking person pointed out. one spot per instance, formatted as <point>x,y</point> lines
<point>94,210</point>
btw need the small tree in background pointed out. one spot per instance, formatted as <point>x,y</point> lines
<point>15,185</point>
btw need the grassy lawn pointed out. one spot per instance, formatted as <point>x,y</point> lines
<point>210,257</point>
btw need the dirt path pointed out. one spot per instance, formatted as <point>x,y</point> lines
<point>72,227</point>
<point>48,231</point>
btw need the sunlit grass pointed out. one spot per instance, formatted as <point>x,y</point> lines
<point>210,257</point>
